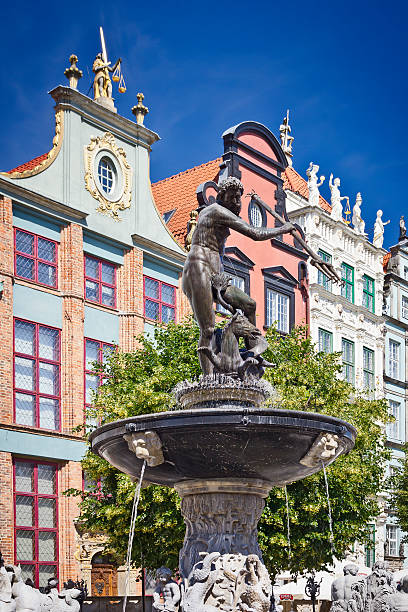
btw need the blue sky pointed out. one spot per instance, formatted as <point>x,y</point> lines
<point>340,67</point>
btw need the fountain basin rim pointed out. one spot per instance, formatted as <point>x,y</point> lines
<point>233,415</point>
<point>273,444</point>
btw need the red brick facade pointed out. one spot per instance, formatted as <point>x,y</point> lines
<point>130,299</point>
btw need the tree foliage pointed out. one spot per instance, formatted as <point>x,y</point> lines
<point>141,382</point>
<point>398,483</point>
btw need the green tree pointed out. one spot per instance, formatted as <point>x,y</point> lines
<point>141,382</point>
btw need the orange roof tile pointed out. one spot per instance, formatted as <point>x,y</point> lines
<point>30,164</point>
<point>178,192</point>
<point>386,259</point>
<point>296,183</point>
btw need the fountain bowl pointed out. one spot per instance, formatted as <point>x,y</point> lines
<point>228,442</point>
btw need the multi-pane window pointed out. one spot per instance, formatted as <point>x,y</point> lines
<point>322,278</point>
<point>35,258</point>
<point>159,300</point>
<point>277,310</point>
<point>347,275</point>
<point>348,360</point>
<point>236,281</point>
<point>325,341</point>
<point>106,175</point>
<point>404,307</point>
<point>393,428</point>
<point>368,368</point>
<point>368,293</point>
<point>37,364</point>
<point>100,281</point>
<point>391,540</point>
<point>95,352</point>
<point>36,520</point>
<point>394,359</point>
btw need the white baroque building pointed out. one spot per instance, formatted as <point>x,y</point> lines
<point>347,319</point>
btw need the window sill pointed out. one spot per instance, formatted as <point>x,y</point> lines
<point>34,285</point>
<point>102,307</point>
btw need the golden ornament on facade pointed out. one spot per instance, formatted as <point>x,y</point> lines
<point>121,198</point>
<point>51,156</point>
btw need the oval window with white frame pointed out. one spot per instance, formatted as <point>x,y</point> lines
<point>108,175</point>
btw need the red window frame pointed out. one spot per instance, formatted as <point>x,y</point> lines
<point>102,347</point>
<point>159,299</point>
<point>99,281</point>
<point>37,359</point>
<point>35,495</point>
<point>35,258</point>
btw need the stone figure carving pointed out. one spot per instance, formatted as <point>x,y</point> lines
<point>253,587</point>
<point>203,577</point>
<point>313,184</point>
<point>204,263</point>
<point>324,449</point>
<point>358,223</point>
<point>399,600</point>
<point>168,589</point>
<point>229,582</point>
<point>341,592</point>
<point>403,230</point>
<point>102,85</point>
<point>379,230</point>
<point>373,593</point>
<point>17,595</point>
<point>147,446</point>
<point>6,574</point>
<point>336,198</point>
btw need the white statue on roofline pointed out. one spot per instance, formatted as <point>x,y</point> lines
<point>313,183</point>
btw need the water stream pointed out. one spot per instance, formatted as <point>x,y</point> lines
<point>132,532</point>
<point>329,508</point>
<point>288,523</point>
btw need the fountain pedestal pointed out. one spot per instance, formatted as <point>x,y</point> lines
<point>221,515</point>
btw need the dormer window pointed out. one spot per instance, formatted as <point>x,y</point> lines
<point>106,175</point>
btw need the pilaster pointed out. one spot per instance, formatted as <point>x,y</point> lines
<point>6,507</point>
<point>6,310</point>
<point>70,476</point>
<point>72,345</point>
<point>130,299</point>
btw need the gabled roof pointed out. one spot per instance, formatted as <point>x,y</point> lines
<point>179,191</point>
<point>30,164</point>
<point>296,183</point>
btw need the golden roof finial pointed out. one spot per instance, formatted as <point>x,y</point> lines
<point>140,111</point>
<point>73,73</point>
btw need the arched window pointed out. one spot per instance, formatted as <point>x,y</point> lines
<point>255,215</point>
<point>106,174</point>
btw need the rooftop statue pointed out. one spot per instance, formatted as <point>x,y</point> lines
<point>403,230</point>
<point>313,184</point>
<point>204,281</point>
<point>358,223</point>
<point>285,137</point>
<point>336,198</point>
<point>379,230</point>
<point>102,85</point>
